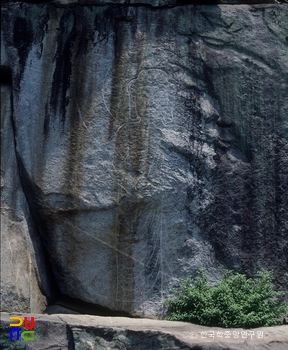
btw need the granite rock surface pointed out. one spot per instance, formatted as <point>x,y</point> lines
<point>83,332</point>
<point>153,3</point>
<point>144,143</point>
<point>20,277</point>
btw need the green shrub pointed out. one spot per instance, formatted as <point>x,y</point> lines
<point>236,301</point>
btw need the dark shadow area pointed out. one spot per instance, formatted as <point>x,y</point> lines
<point>197,2</point>
<point>5,75</point>
<point>66,303</point>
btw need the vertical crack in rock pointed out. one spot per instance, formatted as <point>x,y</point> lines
<point>37,204</point>
<point>70,337</point>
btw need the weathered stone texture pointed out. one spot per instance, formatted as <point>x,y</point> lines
<point>154,3</point>
<point>150,143</point>
<point>81,332</point>
<point>19,267</point>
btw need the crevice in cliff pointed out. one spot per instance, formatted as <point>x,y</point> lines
<point>70,338</point>
<point>50,288</point>
<point>39,264</point>
<point>83,307</point>
<point>5,75</point>
<point>45,277</point>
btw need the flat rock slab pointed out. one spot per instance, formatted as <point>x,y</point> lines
<point>95,332</point>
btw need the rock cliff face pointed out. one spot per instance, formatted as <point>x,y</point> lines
<point>141,144</point>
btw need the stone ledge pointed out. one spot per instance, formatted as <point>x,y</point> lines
<point>82,331</point>
<point>154,3</point>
